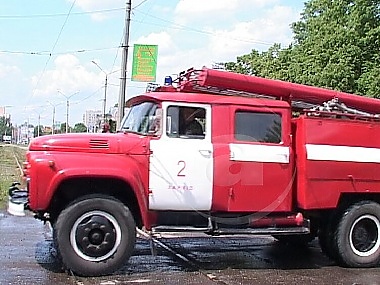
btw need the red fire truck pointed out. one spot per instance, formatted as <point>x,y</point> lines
<point>219,153</point>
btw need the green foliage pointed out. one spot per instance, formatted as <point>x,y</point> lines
<point>38,131</point>
<point>80,128</point>
<point>62,128</point>
<point>9,169</point>
<point>336,45</point>
<point>5,127</point>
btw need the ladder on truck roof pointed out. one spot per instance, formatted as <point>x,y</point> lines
<point>300,96</point>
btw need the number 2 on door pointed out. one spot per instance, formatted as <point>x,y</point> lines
<point>182,166</point>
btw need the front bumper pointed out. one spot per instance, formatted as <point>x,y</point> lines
<point>17,200</point>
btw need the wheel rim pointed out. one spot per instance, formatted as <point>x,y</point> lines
<point>364,235</point>
<point>95,236</point>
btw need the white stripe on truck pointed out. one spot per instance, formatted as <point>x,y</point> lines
<point>342,153</point>
<point>259,153</point>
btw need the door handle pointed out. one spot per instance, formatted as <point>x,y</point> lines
<point>205,152</point>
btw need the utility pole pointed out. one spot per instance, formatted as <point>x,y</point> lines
<point>123,77</point>
<point>52,124</point>
<point>38,126</point>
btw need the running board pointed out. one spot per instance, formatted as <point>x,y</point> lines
<point>304,229</point>
<point>166,229</point>
<point>263,231</point>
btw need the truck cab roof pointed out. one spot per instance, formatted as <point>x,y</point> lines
<point>206,98</point>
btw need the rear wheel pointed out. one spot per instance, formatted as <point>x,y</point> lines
<point>357,236</point>
<point>95,236</point>
<point>326,242</point>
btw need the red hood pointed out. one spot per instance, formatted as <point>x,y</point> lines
<point>90,142</point>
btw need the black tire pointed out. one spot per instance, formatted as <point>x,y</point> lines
<point>326,242</point>
<point>95,235</point>
<point>357,235</point>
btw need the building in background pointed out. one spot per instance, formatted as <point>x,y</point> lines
<point>25,133</point>
<point>92,120</point>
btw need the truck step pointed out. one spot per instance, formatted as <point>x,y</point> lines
<point>165,229</point>
<point>262,231</point>
<point>234,231</point>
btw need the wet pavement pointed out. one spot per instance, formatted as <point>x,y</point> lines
<point>28,257</point>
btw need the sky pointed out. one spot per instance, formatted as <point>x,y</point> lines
<point>48,48</point>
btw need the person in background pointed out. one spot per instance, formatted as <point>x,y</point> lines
<point>106,128</point>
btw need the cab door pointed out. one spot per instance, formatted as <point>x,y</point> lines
<point>253,161</point>
<point>181,164</point>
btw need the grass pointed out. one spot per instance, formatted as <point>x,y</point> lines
<point>9,169</point>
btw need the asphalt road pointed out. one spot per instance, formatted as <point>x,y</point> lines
<point>28,257</point>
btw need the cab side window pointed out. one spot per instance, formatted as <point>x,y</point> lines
<point>186,122</point>
<point>258,127</point>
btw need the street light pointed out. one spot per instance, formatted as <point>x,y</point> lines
<point>39,119</point>
<point>67,107</point>
<point>105,88</point>
<point>53,105</point>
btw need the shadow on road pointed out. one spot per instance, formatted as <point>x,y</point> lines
<point>205,253</point>
<point>46,256</point>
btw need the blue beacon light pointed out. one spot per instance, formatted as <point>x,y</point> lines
<point>168,80</point>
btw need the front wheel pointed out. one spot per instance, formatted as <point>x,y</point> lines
<point>357,236</point>
<point>95,236</point>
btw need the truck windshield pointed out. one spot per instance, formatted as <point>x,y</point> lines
<point>143,118</point>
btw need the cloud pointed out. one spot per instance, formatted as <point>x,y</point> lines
<point>186,7</point>
<point>178,51</point>
<point>272,27</point>
<point>188,11</point>
<point>163,39</point>
<point>67,75</point>
<point>6,71</point>
<point>98,5</point>
<point>84,81</point>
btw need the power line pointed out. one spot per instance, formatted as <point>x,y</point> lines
<point>102,11</point>
<point>139,4</point>
<point>191,29</point>
<point>64,24</point>
<point>89,96</point>
<point>60,14</point>
<point>52,50</point>
<point>48,53</point>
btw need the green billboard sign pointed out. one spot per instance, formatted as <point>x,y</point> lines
<point>144,64</point>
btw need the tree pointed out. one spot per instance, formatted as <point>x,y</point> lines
<point>80,128</point>
<point>62,128</point>
<point>336,45</point>
<point>38,131</point>
<point>5,127</point>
